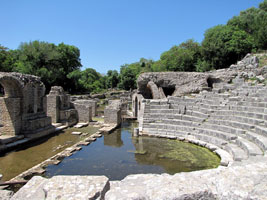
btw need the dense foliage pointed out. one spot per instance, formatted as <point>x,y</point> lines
<point>222,46</point>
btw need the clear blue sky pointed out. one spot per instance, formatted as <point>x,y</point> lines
<point>110,33</point>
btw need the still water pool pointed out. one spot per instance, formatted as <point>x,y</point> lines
<point>119,154</point>
<point>31,154</point>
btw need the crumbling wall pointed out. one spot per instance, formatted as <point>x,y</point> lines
<point>84,111</point>
<point>59,107</point>
<point>92,103</point>
<point>159,85</point>
<point>112,112</point>
<point>23,105</point>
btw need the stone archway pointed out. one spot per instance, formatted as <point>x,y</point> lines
<point>10,105</point>
<point>23,106</point>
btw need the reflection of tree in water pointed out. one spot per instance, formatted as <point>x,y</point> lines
<point>172,155</point>
<point>113,139</point>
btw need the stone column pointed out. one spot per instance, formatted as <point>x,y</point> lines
<point>53,107</point>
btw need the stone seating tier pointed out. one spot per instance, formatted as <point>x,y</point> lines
<point>234,119</point>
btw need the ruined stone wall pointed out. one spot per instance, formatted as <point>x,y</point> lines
<point>89,102</point>
<point>59,107</point>
<point>112,112</point>
<point>159,85</point>
<point>84,110</point>
<point>23,105</point>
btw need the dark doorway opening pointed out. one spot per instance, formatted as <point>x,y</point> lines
<point>168,91</point>
<point>210,82</point>
<point>136,107</point>
<point>2,91</point>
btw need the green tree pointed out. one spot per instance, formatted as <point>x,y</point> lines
<point>86,81</point>
<point>128,76</point>
<point>52,63</point>
<point>254,22</point>
<point>181,58</point>
<point>6,59</point>
<point>224,45</point>
<point>112,78</point>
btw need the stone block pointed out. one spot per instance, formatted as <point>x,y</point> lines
<point>64,187</point>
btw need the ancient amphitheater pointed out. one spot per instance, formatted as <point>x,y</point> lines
<point>224,110</point>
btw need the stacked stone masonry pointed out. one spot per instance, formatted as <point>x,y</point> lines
<point>23,107</point>
<point>233,120</point>
<point>59,107</point>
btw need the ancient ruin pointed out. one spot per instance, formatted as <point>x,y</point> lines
<point>23,107</point>
<point>112,112</point>
<point>224,111</point>
<point>59,107</point>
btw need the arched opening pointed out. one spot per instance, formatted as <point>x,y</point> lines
<point>136,107</point>
<point>210,82</point>
<point>168,91</point>
<point>10,106</point>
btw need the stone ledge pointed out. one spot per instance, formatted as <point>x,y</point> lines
<point>242,182</point>
<point>231,183</point>
<point>64,187</point>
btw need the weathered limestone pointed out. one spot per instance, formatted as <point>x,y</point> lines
<point>242,182</point>
<point>23,106</point>
<point>59,107</point>
<point>179,82</point>
<point>84,111</point>
<point>159,85</point>
<point>88,103</point>
<point>233,183</point>
<point>64,187</point>
<point>5,194</point>
<point>112,112</point>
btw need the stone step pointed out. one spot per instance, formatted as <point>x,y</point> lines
<point>159,107</point>
<point>238,153</point>
<point>162,111</point>
<point>154,102</point>
<point>223,128</point>
<point>230,123</point>
<point>215,133</point>
<point>166,126</point>
<point>210,107</point>
<point>251,148</point>
<point>210,139</point>
<point>180,122</point>
<point>197,114</point>
<point>240,119</point>
<point>260,116</point>
<point>261,130</point>
<point>255,99</point>
<point>177,133</point>
<point>203,110</point>
<point>171,115</point>
<point>252,104</point>
<point>260,140</point>
<point>246,108</point>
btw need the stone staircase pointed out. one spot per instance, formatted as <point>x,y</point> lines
<point>232,117</point>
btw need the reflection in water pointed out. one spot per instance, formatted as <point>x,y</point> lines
<point>113,140</point>
<point>16,162</point>
<point>132,155</point>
